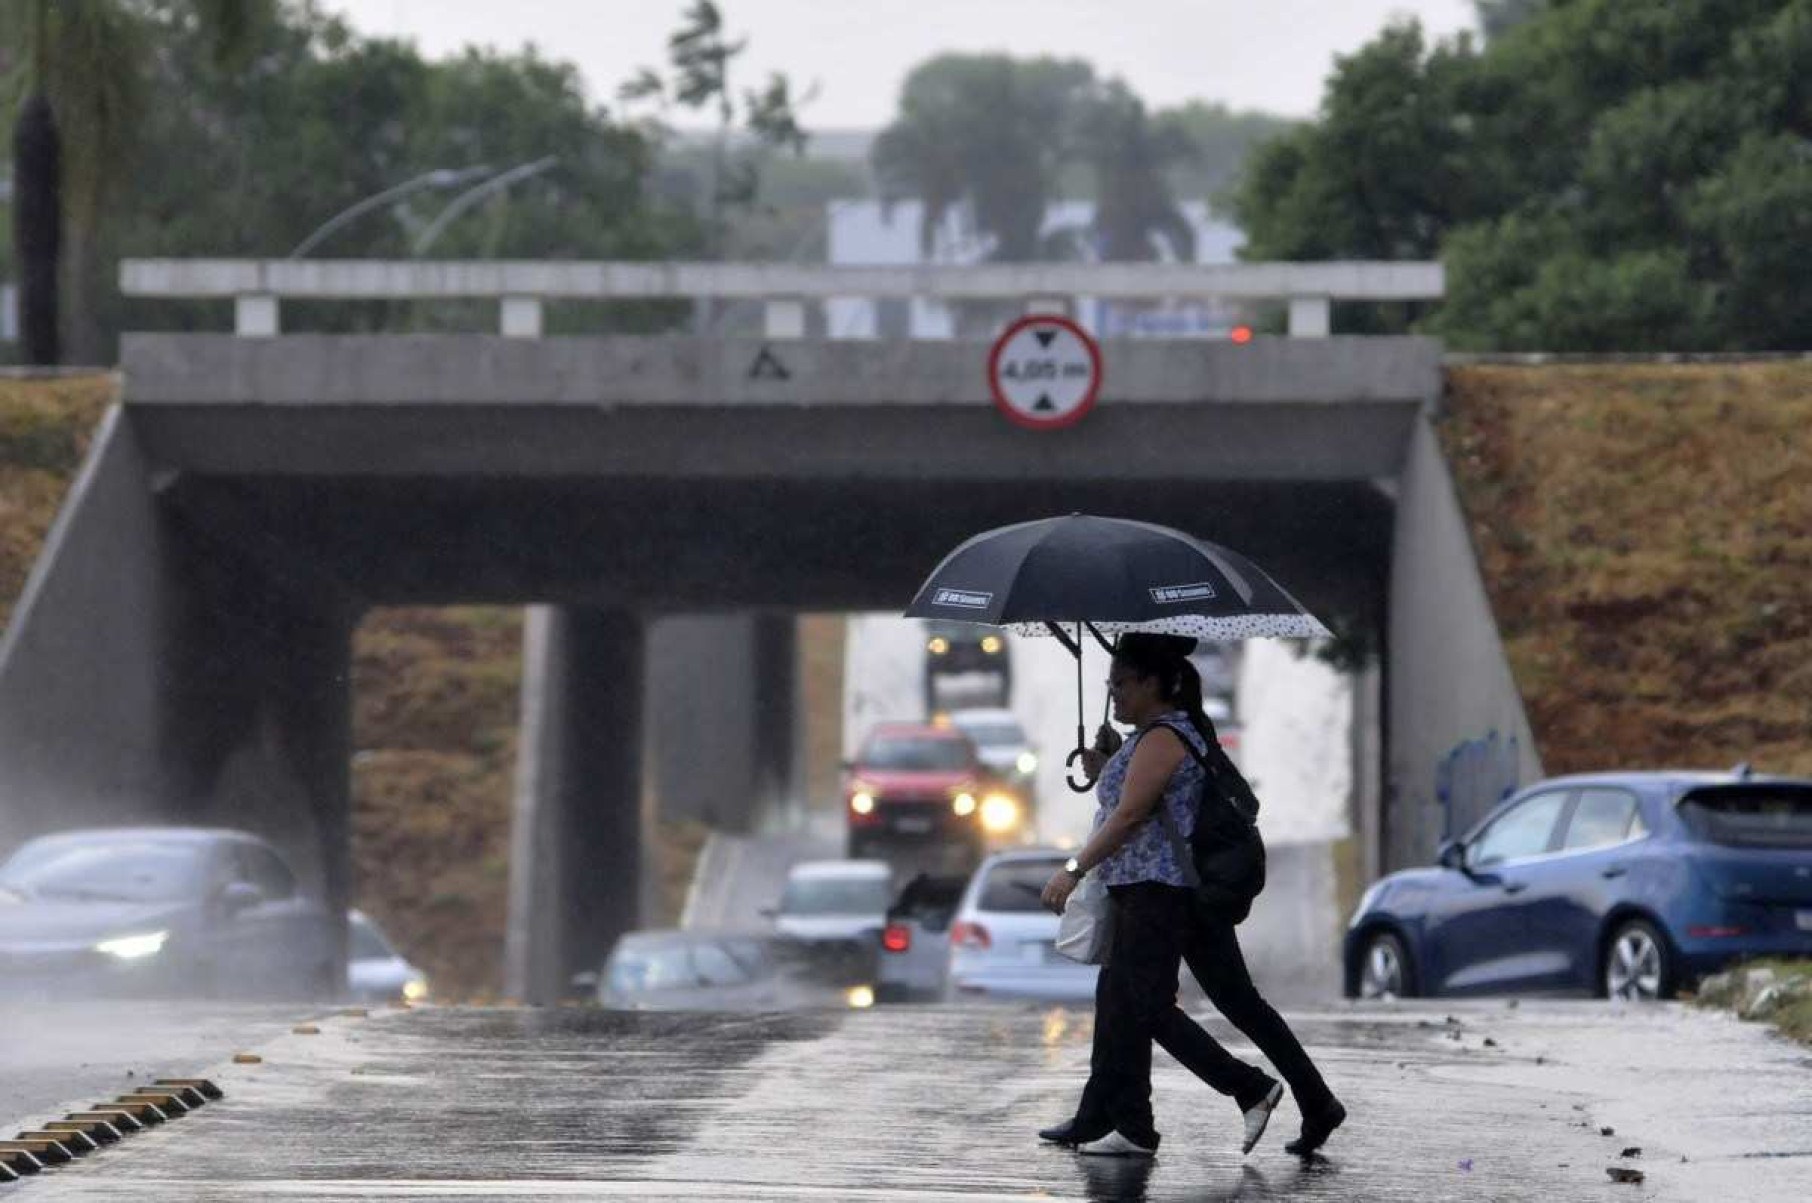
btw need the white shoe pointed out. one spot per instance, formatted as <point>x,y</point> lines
<point>1259,1114</point>
<point>1115,1145</point>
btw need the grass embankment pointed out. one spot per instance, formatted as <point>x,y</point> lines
<point>1774,990</point>
<point>46,424</point>
<point>1645,534</point>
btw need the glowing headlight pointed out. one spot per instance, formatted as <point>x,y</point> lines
<point>939,646</point>
<point>991,644</point>
<point>862,802</point>
<point>131,948</point>
<point>999,813</point>
<point>963,804</point>
<point>1027,764</point>
<point>860,998</point>
<point>415,989</point>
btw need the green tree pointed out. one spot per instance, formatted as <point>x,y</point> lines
<point>1603,175</point>
<point>987,131</point>
<point>80,105</point>
<point>1132,158</point>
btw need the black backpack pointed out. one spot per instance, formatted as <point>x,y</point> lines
<point>1226,854</point>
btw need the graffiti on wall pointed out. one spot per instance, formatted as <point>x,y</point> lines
<point>1473,776</point>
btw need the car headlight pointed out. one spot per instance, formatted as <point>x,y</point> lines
<point>862,802</point>
<point>938,646</point>
<point>415,989</point>
<point>859,998</point>
<point>991,645</point>
<point>1371,895</point>
<point>1027,764</point>
<point>999,813</point>
<point>132,948</point>
<point>963,804</point>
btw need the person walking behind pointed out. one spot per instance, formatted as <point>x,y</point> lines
<point>1212,952</point>
<point>1135,995</point>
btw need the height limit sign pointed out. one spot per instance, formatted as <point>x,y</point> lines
<point>1045,372</point>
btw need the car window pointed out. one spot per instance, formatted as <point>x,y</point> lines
<point>909,754</point>
<point>1524,830</point>
<point>266,870</point>
<point>836,896</point>
<point>659,968</point>
<point>716,967</point>
<point>1601,817</point>
<point>1016,885</point>
<point>1751,816</point>
<point>111,871</point>
<point>366,943</point>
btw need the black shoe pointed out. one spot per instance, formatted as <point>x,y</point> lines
<point>1067,1133</point>
<point>1317,1128</point>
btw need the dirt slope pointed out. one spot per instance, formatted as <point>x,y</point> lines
<point>1646,537</point>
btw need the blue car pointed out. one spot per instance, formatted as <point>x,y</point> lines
<point>1626,885</point>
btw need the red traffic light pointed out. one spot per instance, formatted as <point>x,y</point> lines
<point>1240,334</point>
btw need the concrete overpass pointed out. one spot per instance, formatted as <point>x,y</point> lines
<point>664,503</point>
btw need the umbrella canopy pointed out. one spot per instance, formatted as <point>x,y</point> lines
<point>1113,574</point>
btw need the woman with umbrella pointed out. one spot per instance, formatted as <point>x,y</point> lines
<point>1145,580</point>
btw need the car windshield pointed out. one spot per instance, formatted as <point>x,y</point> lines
<point>367,944</point>
<point>836,896</point>
<point>995,734</point>
<point>1751,816</point>
<point>660,967</point>
<point>921,755</point>
<point>124,871</point>
<point>1016,885</point>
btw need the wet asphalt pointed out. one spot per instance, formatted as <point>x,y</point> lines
<point>1460,1101</point>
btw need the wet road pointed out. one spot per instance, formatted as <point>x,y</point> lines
<point>935,1103</point>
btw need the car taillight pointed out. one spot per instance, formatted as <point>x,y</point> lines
<point>973,936</point>
<point>896,937</point>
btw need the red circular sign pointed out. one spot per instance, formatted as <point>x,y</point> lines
<point>1045,372</point>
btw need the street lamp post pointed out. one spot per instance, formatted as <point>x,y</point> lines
<point>440,177</point>
<point>472,196</point>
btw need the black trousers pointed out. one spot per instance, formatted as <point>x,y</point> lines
<point>1155,927</point>
<point>1136,1004</point>
<point>1212,952</point>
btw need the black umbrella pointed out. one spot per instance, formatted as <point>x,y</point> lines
<point>1108,575</point>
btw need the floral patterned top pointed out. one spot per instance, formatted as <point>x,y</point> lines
<point>1148,856</point>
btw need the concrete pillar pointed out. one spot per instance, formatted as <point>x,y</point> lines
<point>255,316</point>
<point>576,844</point>
<point>1458,738</point>
<point>723,704</point>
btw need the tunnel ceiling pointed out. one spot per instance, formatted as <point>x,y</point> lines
<point>674,545</point>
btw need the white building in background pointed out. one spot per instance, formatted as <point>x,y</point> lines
<point>868,233</point>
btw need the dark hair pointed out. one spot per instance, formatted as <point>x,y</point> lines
<point>1166,657</point>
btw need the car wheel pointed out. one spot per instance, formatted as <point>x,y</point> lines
<point>1638,964</point>
<point>1384,968</point>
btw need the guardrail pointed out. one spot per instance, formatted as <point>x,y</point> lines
<point>258,286</point>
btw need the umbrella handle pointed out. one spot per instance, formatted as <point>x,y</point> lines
<point>1087,783</point>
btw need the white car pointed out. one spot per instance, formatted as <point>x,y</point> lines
<point>1001,743</point>
<point>835,900</point>
<point>376,972</point>
<point>1003,941</point>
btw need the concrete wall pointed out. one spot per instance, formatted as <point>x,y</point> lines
<point>1457,737</point>
<point>577,842</point>
<point>80,670</point>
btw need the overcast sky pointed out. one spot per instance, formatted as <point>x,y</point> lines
<point>1251,54</point>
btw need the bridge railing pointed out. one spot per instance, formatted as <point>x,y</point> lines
<point>258,286</point>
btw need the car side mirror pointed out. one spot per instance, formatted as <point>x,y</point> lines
<point>1452,855</point>
<point>239,896</point>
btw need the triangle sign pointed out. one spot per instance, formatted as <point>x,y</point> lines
<point>1044,337</point>
<point>1044,404</point>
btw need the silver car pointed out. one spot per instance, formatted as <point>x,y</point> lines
<point>141,911</point>
<point>1003,941</point>
<point>675,970</point>
<point>376,971</point>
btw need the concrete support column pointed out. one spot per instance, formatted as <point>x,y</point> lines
<point>777,750</point>
<point>576,844</point>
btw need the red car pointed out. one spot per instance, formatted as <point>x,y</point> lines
<point>918,786</point>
